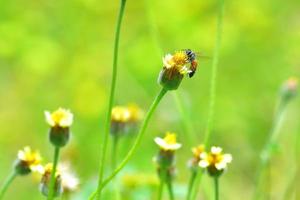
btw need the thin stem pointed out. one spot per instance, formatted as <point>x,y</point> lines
<point>136,142</point>
<point>52,178</point>
<point>7,183</point>
<point>191,183</point>
<point>160,189</point>
<point>197,183</point>
<point>114,159</point>
<point>112,96</point>
<point>269,146</point>
<point>212,86</point>
<point>114,152</point>
<point>214,71</point>
<point>170,190</point>
<point>216,180</point>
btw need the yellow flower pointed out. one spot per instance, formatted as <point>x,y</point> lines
<point>215,159</point>
<point>59,118</point>
<point>136,114</point>
<point>29,159</point>
<point>168,143</point>
<point>120,114</point>
<point>198,150</point>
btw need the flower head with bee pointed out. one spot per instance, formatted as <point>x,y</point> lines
<point>175,66</point>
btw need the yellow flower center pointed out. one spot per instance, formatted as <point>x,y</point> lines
<point>59,115</point>
<point>180,58</point>
<point>214,158</point>
<point>170,138</point>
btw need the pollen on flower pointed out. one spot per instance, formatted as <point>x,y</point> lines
<point>168,143</point>
<point>180,58</point>
<point>59,118</point>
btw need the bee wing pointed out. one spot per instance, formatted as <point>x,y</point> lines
<point>201,55</point>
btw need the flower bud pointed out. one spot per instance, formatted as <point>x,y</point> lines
<point>289,89</point>
<point>59,136</point>
<point>170,79</point>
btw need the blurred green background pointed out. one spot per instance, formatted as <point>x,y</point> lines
<point>59,53</point>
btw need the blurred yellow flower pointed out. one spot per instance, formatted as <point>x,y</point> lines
<point>29,159</point>
<point>135,112</point>
<point>168,143</point>
<point>215,159</point>
<point>59,118</point>
<point>198,150</point>
<point>47,169</point>
<point>120,114</point>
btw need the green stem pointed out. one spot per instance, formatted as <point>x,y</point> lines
<point>269,147</point>
<point>216,180</point>
<point>136,142</point>
<point>197,183</point>
<point>115,191</point>
<point>7,183</point>
<point>111,97</point>
<point>170,190</point>
<point>212,86</point>
<point>114,152</point>
<point>214,71</point>
<point>160,189</point>
<point>191,183</point>
<point>52,177</point>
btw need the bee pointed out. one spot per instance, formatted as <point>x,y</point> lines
<point>192,59</point>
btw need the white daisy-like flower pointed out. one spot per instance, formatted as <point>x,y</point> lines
<point>61,118</point>
<point>168,143</point>
<point>215,158</point>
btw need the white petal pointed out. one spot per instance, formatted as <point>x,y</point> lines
<point>216,150</point>
<point>21,155</point>
<point>227,158</point>
<point>66,122</point>
<point>159,141</point>
<point>49,119</point>
<point>220,165</point>
<point>37,168</point>
<point>203,163</point>
<point>203,155</point>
